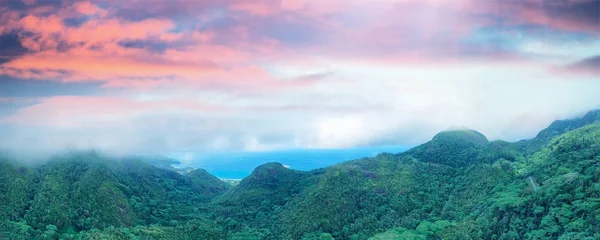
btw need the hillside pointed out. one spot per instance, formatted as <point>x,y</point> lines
<point>456,186</point>
<point>206,184</point>
<point>87,192</point>
<point>455,148</point>
<point>557,128</point>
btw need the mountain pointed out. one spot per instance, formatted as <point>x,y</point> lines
<point>259,195</point>
<point>207,184</point>
<point>455,148</point>
<point>559,127</point>
<point>352,199</point>
<point>456,186</point>
<point>83,192</point>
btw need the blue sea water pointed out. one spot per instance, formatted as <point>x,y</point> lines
<point>237,165</point>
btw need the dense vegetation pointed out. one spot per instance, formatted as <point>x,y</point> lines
<point>457,186</point>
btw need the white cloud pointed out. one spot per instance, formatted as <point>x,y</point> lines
<point>356,105</point>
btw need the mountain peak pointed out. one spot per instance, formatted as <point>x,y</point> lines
<point>269,171</point>
<point>455,148</point>
<point>206,183</point>
<point>561,126</point>
<point>461,134</point>
<point>271,181</point>
<point>270,165</point>
<point>593,114</point>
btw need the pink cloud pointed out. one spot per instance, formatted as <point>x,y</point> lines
<point>200,66</point>
<point>203,52</point>
<point>68,111</point>
<point>87,8</point>
<point>426,32</point>
<point>588,67</point>
<point>77,111</point>
<point>561,15</point>
<point>95,31</point>
<point>81,64</point>
<point>51,24</point>
<point>94,54</point>
<point>259,8</point>
<point>92,31</point>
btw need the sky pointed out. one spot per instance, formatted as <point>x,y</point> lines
<point>200,76</point>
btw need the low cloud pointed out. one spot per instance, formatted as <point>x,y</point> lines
<point>405,108</point>
<point>589,65</point>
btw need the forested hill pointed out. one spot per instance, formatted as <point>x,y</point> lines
<point>561,126</point>
<point>82,193</point>
<point>456,186</point>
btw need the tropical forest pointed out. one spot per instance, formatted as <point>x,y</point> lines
<point>459,185</point>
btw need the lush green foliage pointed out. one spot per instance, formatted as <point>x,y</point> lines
<point>457,186</point>
<point>86,192</point>
<point>457,148</point>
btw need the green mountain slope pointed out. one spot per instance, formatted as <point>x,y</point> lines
<point>456,148</point>
<point>355,199</point>
<point>256,200</point>
<point>271,183</point>
<point>206,184</point>
<point>454,177</point>
<point>85,192</point>
<point>557,128</point>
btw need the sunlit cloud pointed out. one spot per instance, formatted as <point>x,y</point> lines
<point>193,76</point>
